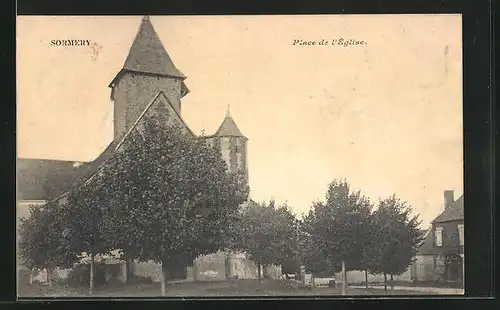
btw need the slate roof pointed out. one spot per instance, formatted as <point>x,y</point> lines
<point>228,128</point>
<point>148,55</point>
<point>43,179</point>
<point>455,212</point>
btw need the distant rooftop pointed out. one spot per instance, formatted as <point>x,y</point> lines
<point>454,212</point>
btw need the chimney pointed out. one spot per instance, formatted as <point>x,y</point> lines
<point>448,198</point>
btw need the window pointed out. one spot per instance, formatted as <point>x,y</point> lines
<point>461,233</point>
<point>439,236</point>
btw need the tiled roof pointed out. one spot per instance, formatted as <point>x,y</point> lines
<point>454,212</point>
<point>148,55</point>
<point>228,128</point>
<point>45,179</point>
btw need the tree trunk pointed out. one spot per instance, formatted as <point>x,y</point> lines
<point>128,272</point>
<point>385,282</point>
<point>49,276</point>
<point>92,269</point>
<point>366,278</point>
<point>163,278</point>
<point>259,266</point>
<point>344,284</point>
<point>195,271</point>
<point>392,283</point>
<point>313,282</point>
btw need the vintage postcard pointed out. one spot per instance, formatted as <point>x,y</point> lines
<point>198,156</point>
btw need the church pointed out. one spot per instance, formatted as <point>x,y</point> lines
<point>148,83</point>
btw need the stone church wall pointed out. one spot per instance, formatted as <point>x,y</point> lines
<point>140,89</point>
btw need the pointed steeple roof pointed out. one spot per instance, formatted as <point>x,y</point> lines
<point>228,128</point>
<point>148,55</point>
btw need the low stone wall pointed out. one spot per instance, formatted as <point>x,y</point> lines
<point>40,276</point>
<point>273,272</point>
<point>148,269</point>
<point>241,267</point>
<point>210,267</point>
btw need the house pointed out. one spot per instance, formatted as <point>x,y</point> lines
<point>441,255</point>
<point>148,85</point>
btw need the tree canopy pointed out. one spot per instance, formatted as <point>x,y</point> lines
<point>396,235</point>
<point>268,233</point>
<point>169,197</point>
<point>339,227</point>
<point>42,243</point>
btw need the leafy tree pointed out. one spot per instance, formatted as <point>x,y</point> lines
<point>397,237</point>
<point>41,241</point>
<point>346,215</point>
<point>169,197</point>
<point>56,234</point>
<point>267,234</point>
<point>340,227</point>
<point>313,254</point>
<point>366,235</point>
<point>292,261</point>
<point>83,222</point>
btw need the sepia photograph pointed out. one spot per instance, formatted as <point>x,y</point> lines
<point>237,156</point>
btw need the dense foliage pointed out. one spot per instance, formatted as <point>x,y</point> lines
<point>396,235</point>
<point>344,228</point>
<point>169,197</point>
<point>268,233</point>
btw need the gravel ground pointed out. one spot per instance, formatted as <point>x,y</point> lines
<point>230,288</point>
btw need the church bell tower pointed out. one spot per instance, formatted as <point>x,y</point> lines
<point>148,69</point>
<point>232,145</point>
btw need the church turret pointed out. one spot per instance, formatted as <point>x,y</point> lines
<point>148,69</point>
<point>233,145</point>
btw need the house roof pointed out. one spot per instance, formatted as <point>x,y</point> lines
<point>45,179</point>
<point>228,128</point>
<point>454,212</point>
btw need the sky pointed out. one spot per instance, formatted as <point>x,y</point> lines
<point>386,115</point>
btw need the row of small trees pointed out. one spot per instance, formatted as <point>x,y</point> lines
<point>166,197</point>
<point>347,229</point>
<point>344,229</point>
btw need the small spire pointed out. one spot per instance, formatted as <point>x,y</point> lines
<point>228,128</point>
